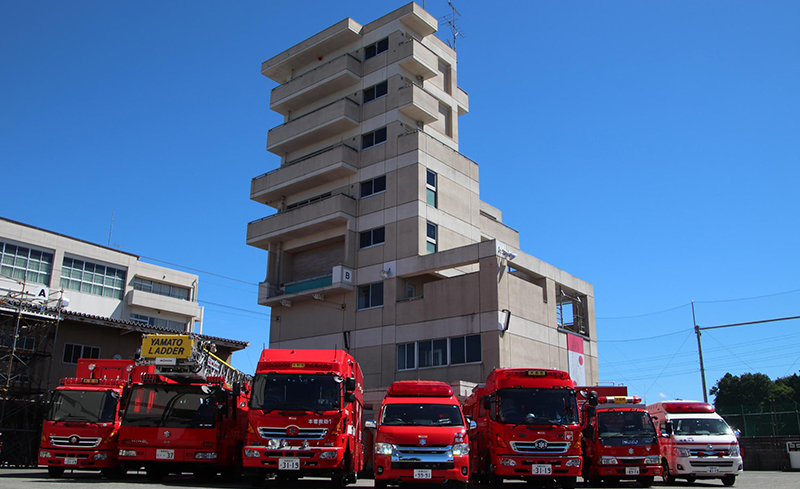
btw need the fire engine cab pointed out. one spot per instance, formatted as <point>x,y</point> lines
<point>187,413</point>
<point>527,427</point>
<point>305,417</point>
<point>696,443</point>
<point>422,436</point>
<point>619,439</point>
<point>80,429</point>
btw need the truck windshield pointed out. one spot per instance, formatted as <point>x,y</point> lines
<point>296,392</point>
<point>625,424</point>
<point>174,406</point>
<point>83,406</point>
<point>536,406</point>
<point>422,415</point>
<point>701,426</point>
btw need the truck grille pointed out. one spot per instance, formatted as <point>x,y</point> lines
<point>722,452</point>
<point>302,433</point>
<point>74,441</point>
<point>710,463</point>
<point>410,450</point>
<point>539,447</point>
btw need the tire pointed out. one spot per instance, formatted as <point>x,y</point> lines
<point>258,479</point>
<point>646,481</point>
<point>117,472</point>
<point>205,473</point>
<point>691,479</point>
<point>380,484</point>
<point>568,482</point>
<point>594,481</point>
<point>665,473</point>
<point>459,484</point>
<point>155,474</point>
<point>55,472</point>
<point>729,480</point>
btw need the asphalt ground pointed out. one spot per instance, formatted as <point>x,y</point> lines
<point>38,479</point>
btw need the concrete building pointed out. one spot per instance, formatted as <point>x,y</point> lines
<point>111,294</point>
<point>381,243</point>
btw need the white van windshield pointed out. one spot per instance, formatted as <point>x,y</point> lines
<point>700,426</point>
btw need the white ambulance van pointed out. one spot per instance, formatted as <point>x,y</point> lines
<point>695,443</point>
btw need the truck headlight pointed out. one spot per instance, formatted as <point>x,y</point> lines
<point>508,462</point>
<point>44,454</point>
<point>460,449</point>
<point>575,462</point>
<point>384,448</point>
<point>274,444</point>
<point>681,452</point>
<point>100,456</point>
<point>328,454</point>
<point>608,461</point>
<point>249,452</point>
<point>735,451</point>
<point>205,455</point>
<point>127,453</point>
<point>652,460</point>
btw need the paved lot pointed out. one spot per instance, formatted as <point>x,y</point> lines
<point>38,479</point>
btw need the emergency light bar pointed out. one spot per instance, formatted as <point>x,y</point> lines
<point>559,374</point>
<point>688,407</point>
<point>78,381</point>
<point>620,400</point>
<point>419,388</point>
<point>306,365</point>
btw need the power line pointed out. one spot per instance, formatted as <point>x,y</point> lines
<point>749,298</point>
<point>235,308</point>
<point>647,313</point>
<point>199,271</point>
<point>667,365</point>
<point>645,338</point>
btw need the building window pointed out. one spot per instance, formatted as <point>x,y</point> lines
<point>432,232</point>
<point>25,264</point>
<point>405,356</point>
<point>465,349</point>
<point>411,290</point>
<point>432,353</point>
<point>370,139</point>
<point>376,48</point>
<point>370,295</point>
<point>161,289</point>
<point>73,352</point>
<point>376,91</point>
<point>372,237</point>
<point>92,278</point>
<point>158,322</point>
<point>374,186</point>
<point>430,188</point>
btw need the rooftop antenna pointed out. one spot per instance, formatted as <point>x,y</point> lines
<point>451,21</point>
<point>110,229</point>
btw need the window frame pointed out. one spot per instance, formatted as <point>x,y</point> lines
<point>384,46</point>
<point>406,346</point>
<point>372,187</point>
<point>447,358</point>
<point>371,233</point>
<point>70,274</point>
<point>384,85</point>
<point>82,354</point>
<point>432,188</point>
<point>432,240</point>
<point>381,131</point>
<point>371,304</point>
<point>18,267</point>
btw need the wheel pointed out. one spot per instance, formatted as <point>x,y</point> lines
<point>205,472</point>
<point>665,474</point>
<point>646,481</point>
<point>117,472</point>
<point>490,477</point>
<point>568,482</point>
<point>595,481</point>
<point>729,480</point>
<point>154,473</point>
<point>380,484</point>
<point>55,472</point>
<point>691,479</point>
<point>339,481</point>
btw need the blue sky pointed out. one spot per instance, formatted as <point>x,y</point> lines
<point>650,148</point>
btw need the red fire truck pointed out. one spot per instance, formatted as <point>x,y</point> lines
<point>422,436</point>
<point>81,426</point>
<point>305,416</point>
<point>527,427</point>
<point>188,413</point>
<point>619,439</point>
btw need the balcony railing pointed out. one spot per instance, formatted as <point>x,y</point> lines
<point>305,89</point>
<point>415,102</point>
<point>327,121</point>
<point>308,284</point>
<point>418,59</point>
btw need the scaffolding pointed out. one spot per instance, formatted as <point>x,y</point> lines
<point>28,326</point>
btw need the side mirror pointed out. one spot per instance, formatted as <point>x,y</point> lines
<point>593,398</point>
<point>589,431</point>
<point>370,424</point>
<point>350,384</point>
<point>350,397</point>
<point>668,428</point>
<point>591,411</point>
<point>472,425</point>
<point>487,403</point>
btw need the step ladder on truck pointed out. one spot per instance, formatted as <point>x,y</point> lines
<point>188,412</point>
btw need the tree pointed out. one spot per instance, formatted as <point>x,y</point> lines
<point>753,391</point>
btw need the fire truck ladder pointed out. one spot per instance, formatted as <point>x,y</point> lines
<point>201,366</point>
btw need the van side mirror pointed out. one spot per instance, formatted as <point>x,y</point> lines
<point>350,384</point>
<point>668,428</point>
<point>370,423</point>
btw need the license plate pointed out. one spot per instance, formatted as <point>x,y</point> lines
<point>713,470</point>
<point>422,474</point>
<point>542,469</point>
<point>631,470</point>
<point>289,464</point>
<point>70,461</point>
<point>165,454</point>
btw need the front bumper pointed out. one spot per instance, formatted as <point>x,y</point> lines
<point>79,459</point>
<point>310,460</point>
<point>706,467</point>
<point>625,472</point>
<point>172,454</point>
<point>446,469</point>
<point>524,465</point>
